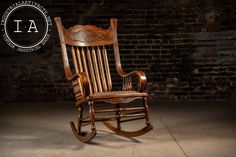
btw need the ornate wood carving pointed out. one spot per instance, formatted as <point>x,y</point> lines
<point>88,35</point>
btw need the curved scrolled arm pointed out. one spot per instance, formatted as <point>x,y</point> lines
<point>84,82</point>
<point>141,77</point>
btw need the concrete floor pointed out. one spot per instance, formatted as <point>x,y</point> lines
<point>193,129</point>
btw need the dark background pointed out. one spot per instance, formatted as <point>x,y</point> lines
<point>186,47</point>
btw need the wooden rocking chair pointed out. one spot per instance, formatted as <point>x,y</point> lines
<point>92,83</point>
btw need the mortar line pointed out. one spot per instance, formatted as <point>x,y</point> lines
<point>173,137</point>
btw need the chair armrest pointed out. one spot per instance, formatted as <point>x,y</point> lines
<point>84,82</point>
<point>141,76</point>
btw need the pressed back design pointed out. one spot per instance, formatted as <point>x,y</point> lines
<point>94,62</point>
<point>88,35</point>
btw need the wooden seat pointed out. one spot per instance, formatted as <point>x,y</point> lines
<point>117,94</point>
<point>92,82</point>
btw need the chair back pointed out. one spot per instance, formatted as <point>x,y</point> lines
<point>88,45</point>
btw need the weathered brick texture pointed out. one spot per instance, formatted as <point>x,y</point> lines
<point>186,47</point>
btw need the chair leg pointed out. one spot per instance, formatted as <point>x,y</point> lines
<point>118,118</point>
<point>142,131</point>
<point>80,116</point>
<point>84,136</point>
<point>145,104</point>
<point>92,115</point>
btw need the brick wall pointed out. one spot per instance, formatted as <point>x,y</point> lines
<point>186,47</point>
